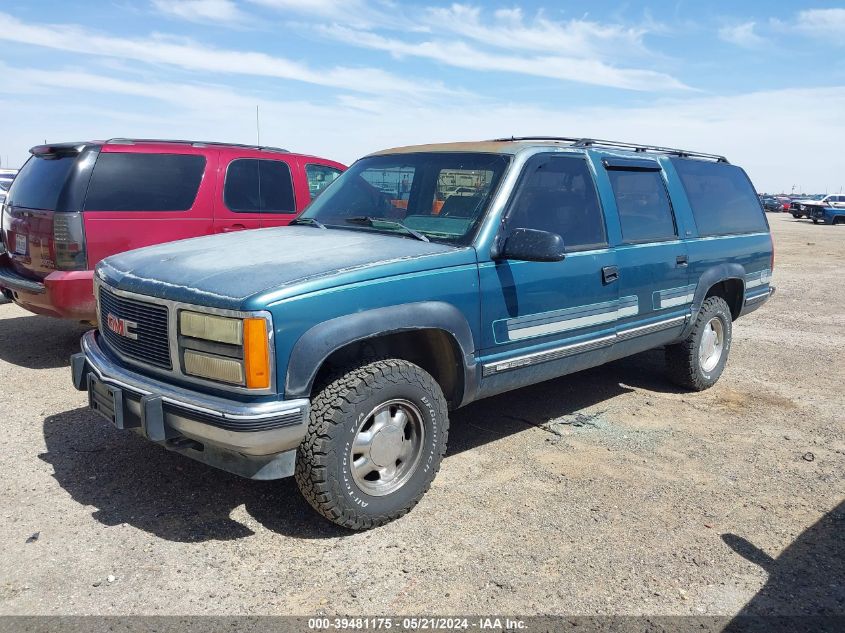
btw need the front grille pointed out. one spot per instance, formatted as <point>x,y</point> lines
<point>150,327</point>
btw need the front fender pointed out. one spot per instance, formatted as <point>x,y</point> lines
<point>318,343</point>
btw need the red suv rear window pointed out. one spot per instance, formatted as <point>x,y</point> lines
<point>41,181</point>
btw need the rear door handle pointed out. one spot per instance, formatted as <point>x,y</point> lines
<point>609,274</point>
<point>681,260</point>
<point>234,227</point>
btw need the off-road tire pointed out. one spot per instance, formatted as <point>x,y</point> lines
<point>682,359</point>
<point>323,469</point>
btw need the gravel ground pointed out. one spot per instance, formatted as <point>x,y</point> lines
<point>606,492</point>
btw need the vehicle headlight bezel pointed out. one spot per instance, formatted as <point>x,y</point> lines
<point>234,351</point>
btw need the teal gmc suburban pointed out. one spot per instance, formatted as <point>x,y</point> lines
<point>422,279</point>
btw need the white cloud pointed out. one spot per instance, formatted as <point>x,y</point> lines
<point>823,22</point>
<point>462,55</point>
<point>193,56</point>
<point>740,127</point>
<point>510,30</point>
<point>201,10</point>
<point>359,13</point>
<point>741,35</point>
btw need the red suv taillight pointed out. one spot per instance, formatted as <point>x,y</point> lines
<point>69,242</point>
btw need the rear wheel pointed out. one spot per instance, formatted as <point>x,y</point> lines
<point>375,440</point>
<point>698,361</point>
<point>815,221</point>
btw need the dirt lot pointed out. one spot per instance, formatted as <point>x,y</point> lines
<point>605,492</point>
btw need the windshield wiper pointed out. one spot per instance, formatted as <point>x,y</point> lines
<point>367,220</point>
<point>308,222</point>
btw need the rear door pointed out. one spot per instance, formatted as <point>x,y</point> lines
<point>255,193</point>
<point>141,195</point>
<point>652,257</point>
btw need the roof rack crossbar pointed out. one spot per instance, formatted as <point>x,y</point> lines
<point>126,141</point>
<point>594,142</point>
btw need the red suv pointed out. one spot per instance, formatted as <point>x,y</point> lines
<point>72,204</point>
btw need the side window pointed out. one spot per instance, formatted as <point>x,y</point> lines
<point>459,193</point>
<point>722,198</point>
<point>643,204</point>
<point>276,187</point>
<point>557,194</point>
<point>394,183</point>
<point>144,182</point>
<point>319,177</point>
<point>258,186</point>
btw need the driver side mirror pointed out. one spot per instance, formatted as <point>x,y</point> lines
<point>532,245</point>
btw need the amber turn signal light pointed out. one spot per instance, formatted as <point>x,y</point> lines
<point>256,354</point>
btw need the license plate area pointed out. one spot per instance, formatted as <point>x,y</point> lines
<point>106,401</point>
<point>20,244</point>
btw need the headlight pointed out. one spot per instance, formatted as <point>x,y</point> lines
<point>211,328</point>
<point>226,349</point>
<point>214,367</point>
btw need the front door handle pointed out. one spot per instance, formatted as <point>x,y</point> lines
<point>681,261</point>
<point>609,274</point>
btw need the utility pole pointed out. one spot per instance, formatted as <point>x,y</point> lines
<point>257,126</point>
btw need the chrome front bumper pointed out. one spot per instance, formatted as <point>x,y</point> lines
<point>256,440</point>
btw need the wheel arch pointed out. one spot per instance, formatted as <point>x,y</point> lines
<point>726,280</point>
<point>435,335</point>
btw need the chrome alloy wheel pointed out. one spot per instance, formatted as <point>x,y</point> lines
<point>387,447</point>
<point>712,345</point>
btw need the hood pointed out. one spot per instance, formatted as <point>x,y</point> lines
<point>225,270</point>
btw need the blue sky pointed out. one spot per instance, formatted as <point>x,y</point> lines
<point>762,82</point>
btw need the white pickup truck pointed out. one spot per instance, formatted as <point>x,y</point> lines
<point>802,207</point>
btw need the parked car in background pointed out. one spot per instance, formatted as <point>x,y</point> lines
<point>334,349</point>
<point>829,210</point>
<point>800,207</point>
<point>770,203</point>
<point>6,178</point>
<point>75,203</point>
<point>785,201</point>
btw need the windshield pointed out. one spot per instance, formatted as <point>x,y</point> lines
<point>442,195</point>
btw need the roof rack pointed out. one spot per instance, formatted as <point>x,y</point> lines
<point>594,142</point>
<point>132,141</point>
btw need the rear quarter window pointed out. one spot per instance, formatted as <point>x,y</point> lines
<point>722,198</point>
<point>41,181</point>
<point>144,182</point>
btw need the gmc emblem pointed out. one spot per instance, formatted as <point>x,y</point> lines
<point>121,327</point>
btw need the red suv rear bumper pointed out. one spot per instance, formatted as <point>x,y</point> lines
<point>67,295</point>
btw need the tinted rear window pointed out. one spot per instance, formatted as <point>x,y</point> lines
<point>144,182</point>
<point>721,196</point>
<point>643,204</point>
<point>259,186</point>
<point>40,182</point>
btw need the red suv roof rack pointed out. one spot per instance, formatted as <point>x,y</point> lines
<point>132,141</point>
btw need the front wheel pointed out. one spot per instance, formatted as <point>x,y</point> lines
<point>697,362</point>
<point>796,215</point>
<point>375,440</point>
